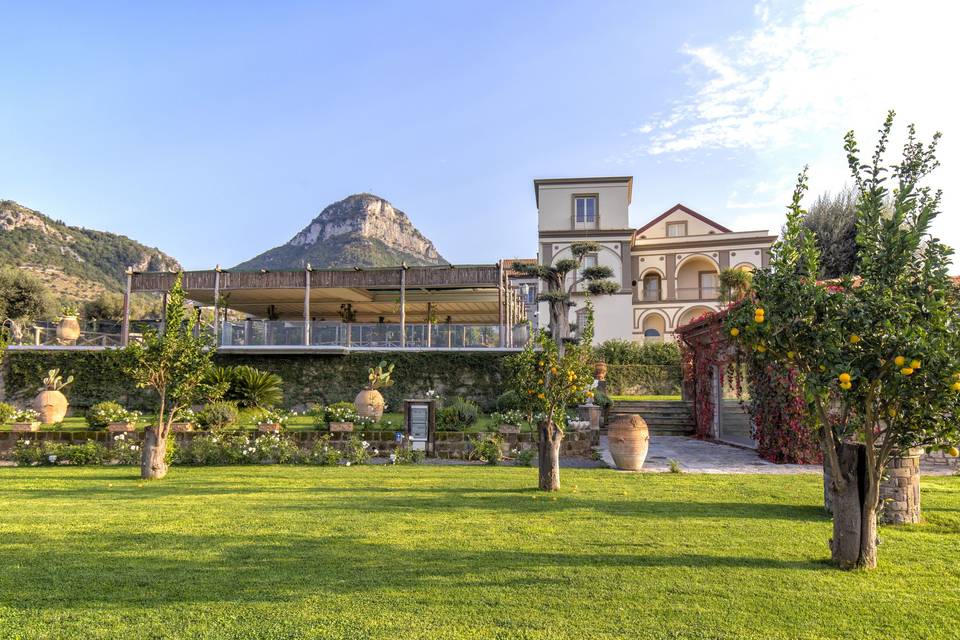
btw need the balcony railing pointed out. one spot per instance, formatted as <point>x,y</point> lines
<point>281,333</point>
<point>698,293</point>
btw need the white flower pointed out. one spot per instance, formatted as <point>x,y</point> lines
<point>393,458</point>
<point>348,463</point>
<point>52,458</point>
<point>366,445</point>
<point>376,452</point>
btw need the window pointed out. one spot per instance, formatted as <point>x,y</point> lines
<point>585,211</point>
<point>589,260</point>
<point>651,287</point>
<point>676,229</point>
<point>528,293</point>
<point>708,285</point>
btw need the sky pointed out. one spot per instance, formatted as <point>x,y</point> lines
<point>216,131</point>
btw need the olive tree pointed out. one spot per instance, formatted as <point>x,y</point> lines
<point>877,355</point>
<point>177,364</point>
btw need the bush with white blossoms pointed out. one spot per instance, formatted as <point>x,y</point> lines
<point>512,417</point>
<point>186,414</point>
<point>357,451</point>
<point>102,414</point>
<point>275,416</point>
<point>323,452</point>
<point>25,415</point>
<point>125,450</point>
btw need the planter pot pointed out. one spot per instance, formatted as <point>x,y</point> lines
<point>25,426</point>
<point>341,426</point>
<point>369,404</point>
<point>509,428</point>
<point>121,427</point>
<point>52,406</point>
<point>180,427</point>
<point>272,427</point>
<point>68,330</point>
<point>629,441</point>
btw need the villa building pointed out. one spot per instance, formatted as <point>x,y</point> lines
<point>668,269</point>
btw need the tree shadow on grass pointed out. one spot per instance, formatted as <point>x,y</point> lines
<point>126,570</point>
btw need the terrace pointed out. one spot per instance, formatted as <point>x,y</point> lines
<point>450,307</point>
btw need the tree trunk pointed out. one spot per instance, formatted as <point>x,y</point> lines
<point>854,508</point>
<point>548,457</point>
<point>153,458</point>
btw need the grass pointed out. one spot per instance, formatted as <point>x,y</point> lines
<point>454,552</point>
<point>642,398</point>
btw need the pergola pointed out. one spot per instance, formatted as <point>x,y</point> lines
<point>476,295</point>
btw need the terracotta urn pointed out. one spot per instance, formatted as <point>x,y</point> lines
<point>68,330</point>
<point>51,405</point>
<point>600,371</point>
<point>269,427</point>
<point>369,404</point>
<point>629,440</point>
<point>341,426</point>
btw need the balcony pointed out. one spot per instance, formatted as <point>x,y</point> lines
<point>698,293</point>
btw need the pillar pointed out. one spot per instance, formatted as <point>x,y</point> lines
<point>125,324</point>
<point>403,306</point>
<point>306,306</point>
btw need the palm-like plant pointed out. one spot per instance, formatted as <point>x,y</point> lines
<point>251,387</point>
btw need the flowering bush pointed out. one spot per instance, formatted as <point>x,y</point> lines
<point>357,451</point>
<point>125,450</point>
<point>323,452</point>
<point>102,414</point>
<point>275,416</point>
<point>25,415</point>
<point>6,412</point>
<point>276,448</point>
<point>458,415</point>
<point>513,417</point>
<point>406,454</point>
<point>31,453</point>
<point>341,412</point>
<point>185,414</point>
<point>524,457</point>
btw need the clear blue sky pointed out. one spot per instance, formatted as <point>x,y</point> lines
<point>216,131</point>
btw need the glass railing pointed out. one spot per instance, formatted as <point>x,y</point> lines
<point>698,293</point>
<point>282,333</point>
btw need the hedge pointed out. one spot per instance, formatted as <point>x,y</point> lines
<point>307,378</point>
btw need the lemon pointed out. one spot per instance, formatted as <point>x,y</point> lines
<point>914,364</point>
<point>892,412</point>
<point>953,451</point>
<point>854,339</point>
<point>758,311</point>
<point>790,355</point>
<point>845,385</point>
<point>899,361</point>
<point>906,371</point>
<point>734,332</point>
<point>956,386</point>
<point>761,348</point>
<point>844,377</point>
<point>758,319</point>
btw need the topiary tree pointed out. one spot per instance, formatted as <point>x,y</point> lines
<point>549,379</point>
<point>560,286</point>
<point>833,221</point>
<point>178,366</point>
<point>734,284</point>
<point>877,357</point>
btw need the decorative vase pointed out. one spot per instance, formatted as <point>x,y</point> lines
<point>369,404</point>
<point>629,441</point>
<point>341,426</point>
<point>51,405</point>
<point>600,371</point>
<point>121,427</point>
<point>269,427</point>
<point>68,330</point>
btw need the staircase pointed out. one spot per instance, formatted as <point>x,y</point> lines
<point>664,417</point>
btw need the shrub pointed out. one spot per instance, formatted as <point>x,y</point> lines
<point>25,415</point>
<point>319,414</point>
<point>6,412</point>
<point>104,413</point>
<point>509,401</point>
<point>407,455</point>
<point>341,412</point>
<point>488,449</point>
<point>458,415</point>
<point>218,415</point>
<point>29,453</point>
<point>251,387</point>
<point>626,352</point>
<point>323,452</point>
<point>357,451</point>
<point>515,418</point>
<point>125,450</point>
<point>524,457</point>
<point>276,448</point>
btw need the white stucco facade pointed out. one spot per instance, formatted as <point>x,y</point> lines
<point>667,270</point>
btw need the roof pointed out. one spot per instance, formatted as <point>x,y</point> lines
<point>628,180</point>
<point>688,211</point>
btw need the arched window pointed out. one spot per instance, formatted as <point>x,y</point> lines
<point>651,333</point>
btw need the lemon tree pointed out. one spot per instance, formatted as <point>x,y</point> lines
<point>878,356</point>
<point>549,379</point>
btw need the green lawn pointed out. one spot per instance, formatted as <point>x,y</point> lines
<point>454,552</point>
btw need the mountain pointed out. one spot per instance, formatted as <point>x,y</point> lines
<point>362,230</point>
<point>73,262</point>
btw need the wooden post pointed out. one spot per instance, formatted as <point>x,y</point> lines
<point>216,306</point>
<point>306,307</point>
<point>125,324</point>
<point>403,306</point>
<point>429,323</point>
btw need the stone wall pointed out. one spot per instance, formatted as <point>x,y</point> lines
<point>900,490</point>
<point>449,444</point>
